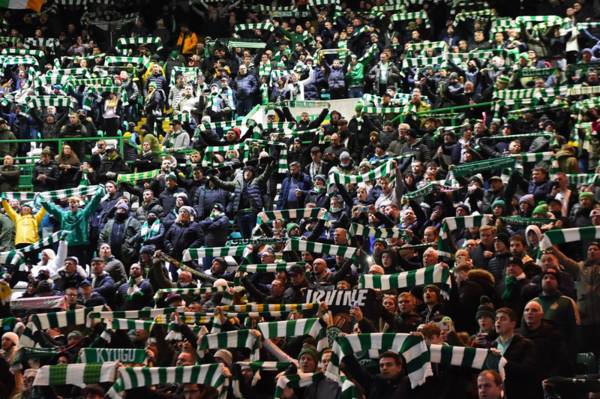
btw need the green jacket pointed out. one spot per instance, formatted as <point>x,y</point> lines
<point>7,148</point>
<point>76,222</point>
<point>356,76</point>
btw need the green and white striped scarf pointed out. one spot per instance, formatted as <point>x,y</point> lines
<point>295,244</point>
<point>113,60</point>
<point>475,358</point>
<point>131,324</point>
<point>259,26</point>
<point>442,185</point>
<point>21,51</point>
<point>137,377</point>
<point>128,314</point>
<point>18,60</point>
<point>102,355</point>
<point>578,179</point>
<point>357,229</point>
<point>270,307</point>
<point>230,339</point>
<point>147,232</point>
<point>80,191</point>
<point>561,236</point>
<point>524,221</point>
<point>268,267</point>
<point>125,42</point>
<point>454,223</point>
<point>288,215</point>
<point>304,380</point>
<point>78,374</point>
<point>15,257</point>
<point>56,101</point>
<point>384,170</point>
<point>44,321</point>
<point>201,253</point>
<point>193,291</point>
<point>292,328</point>
<point>471,168</point>
<point>134,177</point>
<point>256,367</point>
<point>464,15</point>
<point>413,278</point>
<point>420,62</point>
<point>52,79</point>
<point>411,347</point>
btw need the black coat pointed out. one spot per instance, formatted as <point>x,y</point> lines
<point>520,369</point>
<point>215,231</point>
<point>467,300</point>
<point>375,386</point>
<point>181,237</point>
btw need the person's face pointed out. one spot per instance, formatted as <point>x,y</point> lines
<point>148,196</point>
<point>86,291</point>
<point>430,297</point>
<point>111,188</point>
<point>485,323</point>
<point>593,253</point>
<point>319,266</point>
<point>517,248</point>
<point>105,251</point>
<point>73,119</point>
<point>487,237</point>
<point>296,278</point>
<point>339,236</point>
<point>8,160</point>
<point>487,388</point>
<point>430,258</point>
<point>513,270</point>
<point>389,368</point>
<point>503,324</point>
<point>307,364</point>
<point>295,169</point>
<point>429,235</point>
<point>499,246</point>
<point>386,260</point>
<point>277,288</point>
<point>533,314</point>
<point>98,268</point>
<point>389,304</point>
<point>6,344</point>
<point>184,216</point>
<point>184,359</point>
<point>135,271</point>
<point>538,176</point>
<point>71,296</point>
<point>73,205</point>
<point>406,304</point>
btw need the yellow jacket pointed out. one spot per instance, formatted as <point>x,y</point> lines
<point>26,226</point>
<point>187,43</point>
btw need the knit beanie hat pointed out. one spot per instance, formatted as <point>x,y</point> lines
<point>290,227</point>
<point>499,202</point>
<point>541,209</point>
<point>12,337</point>
<point>485,309</point>
<point>310,351</point>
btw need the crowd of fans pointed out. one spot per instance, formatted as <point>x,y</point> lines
<point>182,160</point>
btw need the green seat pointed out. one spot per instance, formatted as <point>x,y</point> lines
<point>586,363</point>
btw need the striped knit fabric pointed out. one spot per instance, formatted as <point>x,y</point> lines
<point>256,367</point>
<point>412,347</point>
<point>200,253</point>
<point>51,195</point>
<point>137,377</point>
<point>288,215</point>
<point>561,236</point>
<point>375,232</point>
<point>480,166</point>
<point>79,374</point>
<point>130,314</point>
<point>268,267</point>
<point>384,170</point>
<point>413,278</point>
<point>56,101</point>
<point>163,292</point>
<point>113,60</point>
<point>126,42</point>
<point>16,257</point>
<point>453,223</point>
<point>101,355</point>
<point>134,177</point>
<point>271,307</point>
<point>131,324</point>
<point>296,244</point>
<point>292,328</point>
<point>476,358</point>
<point>448,185</point>
<point>230,339</point>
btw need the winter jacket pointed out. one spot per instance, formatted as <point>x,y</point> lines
<point>137,301</point>
<point>182,236</point>
<point>167,199</point>
<point>50,171</point>
<point>303,183</point>
<point>127,248</point>
<point>8,148</point>
<point>206,198</point>
<point>336,79</point>
<point>9,178</point>
<point>246,86</point>
<point>27,226</point>
<point>103,285</point>
<point>253,189</point>
<point>393,75</point>
<point>215,231</point>
<point>141,213</point>
<point>75,222</point>
<point>520,367</point>
<point>110,168</point>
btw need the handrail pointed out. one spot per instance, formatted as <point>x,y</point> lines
<point>68,139</point>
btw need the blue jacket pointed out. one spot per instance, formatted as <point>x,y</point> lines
<point>215,231</point>
<point>246,85</point>
<point>104,285</point>
<point>305,184</point>
<point>336,79</point>
<point>136,302</point>
<point>181,237</point>
<point>206,198</point>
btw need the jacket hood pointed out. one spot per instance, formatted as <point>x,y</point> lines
<point>480,274</point>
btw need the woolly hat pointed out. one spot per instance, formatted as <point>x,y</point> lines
<point>502,79</point>
<point>504,238</point>
<point>358,107</point>
<point>171,176</point>
<point>553,271</point>
<point>586,194</point>
<point>224,355</point>
<point>187,209</point>
<point>541,209</point>
<point>527,198</point>
<point>310,351</point>
<point>485,309</point>
<point>290,227</point>
<point>12,337</point>
<point>500,203</point>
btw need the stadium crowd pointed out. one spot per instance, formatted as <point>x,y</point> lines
<point>187,215</point>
